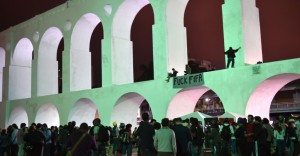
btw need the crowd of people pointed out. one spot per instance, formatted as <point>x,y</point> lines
<point>248,137</point>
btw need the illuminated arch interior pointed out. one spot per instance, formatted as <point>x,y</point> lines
<point>260,100</point>
<point>184,101</point>
<point>122,51</point>
<point>80,52</point>
<point>48,114</point>
<point>84,110</point>
<point>47,62</point>
<point>18,116</point>
<point>2,65</point>
<point>20,70</point>
<point>126,109</point>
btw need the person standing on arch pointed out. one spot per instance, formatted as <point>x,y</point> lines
<point>230,56</point>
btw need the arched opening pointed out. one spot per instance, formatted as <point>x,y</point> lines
<point>20,70</point>
<point>122,46</point>
<point>286,101</point>
<point>80,60</point>
<point>176,36</point>
<point>2,65</point>
<point>48,64</point>
<point>84,110</point>
<point>279,18</point>
<point>48,114</point>
<point>261,99</point>
<point>204,29</point>
<point>96,53</point>
<point>17,116</point>
<point>210,103</point>
<point>129,108</point>
<point>141,37</point>
<point>193,99</point>
<point>60,50</point>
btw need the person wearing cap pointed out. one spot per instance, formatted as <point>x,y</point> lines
<point>115,135</point>
<point>291,136</point>
<point>126,138</point>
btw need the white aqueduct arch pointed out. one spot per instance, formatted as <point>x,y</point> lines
<point>126,108</point>
<point>47,79</point>
<point>48,114</point>
<point>84,110</point>
<point>17,116</point>
<point>80,59</point>
<point>184,101</point>
<point>122,49</point>
<point>261,99</point>
<point>2,65</point>
<point>20,70</point>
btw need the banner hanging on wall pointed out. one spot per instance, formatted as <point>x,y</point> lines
<point>188,80</point>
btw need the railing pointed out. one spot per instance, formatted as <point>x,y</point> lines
<point>285,107</point>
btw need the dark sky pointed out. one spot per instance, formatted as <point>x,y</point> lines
<point>280,26</point>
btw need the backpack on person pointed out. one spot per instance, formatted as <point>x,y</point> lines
<point>103,134</point>
<point>125,137</point>
<point>198,136</point>
<point>225,133</point>
<point>114,132</point>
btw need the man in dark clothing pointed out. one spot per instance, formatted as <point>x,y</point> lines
<point>230,56</point>
<point>197,137</point>
<point>36,139</point>
<point>146,132</point>
<point>183,137</point>
<point>101,136</point>
<point>260,136</point>
<point>240,137</point>
<point>80,142</point>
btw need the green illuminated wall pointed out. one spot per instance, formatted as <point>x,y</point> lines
<point>233,86</point>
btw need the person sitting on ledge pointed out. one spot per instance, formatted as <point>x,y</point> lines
<point>173,74</point>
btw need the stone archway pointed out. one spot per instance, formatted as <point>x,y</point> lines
<point>126,109</point>
<point>47,68</point>
<point>84,110</point>
<point>20,70</point>
<point>122,49</point>
<point>17,116</point>
<point>80,60</point>
<point>184,101</point>
<point>48,114</point>
<point>260,100</point>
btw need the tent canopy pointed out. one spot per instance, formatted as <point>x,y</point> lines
<point>231,115</point>
<point>198,115</point>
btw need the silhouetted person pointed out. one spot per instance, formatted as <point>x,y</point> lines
<point>188,69</point>
<point>173,74</point>
<point>230,56</point>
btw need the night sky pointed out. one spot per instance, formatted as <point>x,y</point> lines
<point>280,27</point>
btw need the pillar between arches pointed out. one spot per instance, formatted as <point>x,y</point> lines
<point>242,29</point>
<point>122,62</point>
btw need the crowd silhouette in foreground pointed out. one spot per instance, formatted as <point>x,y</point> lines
<point>247,137</point>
